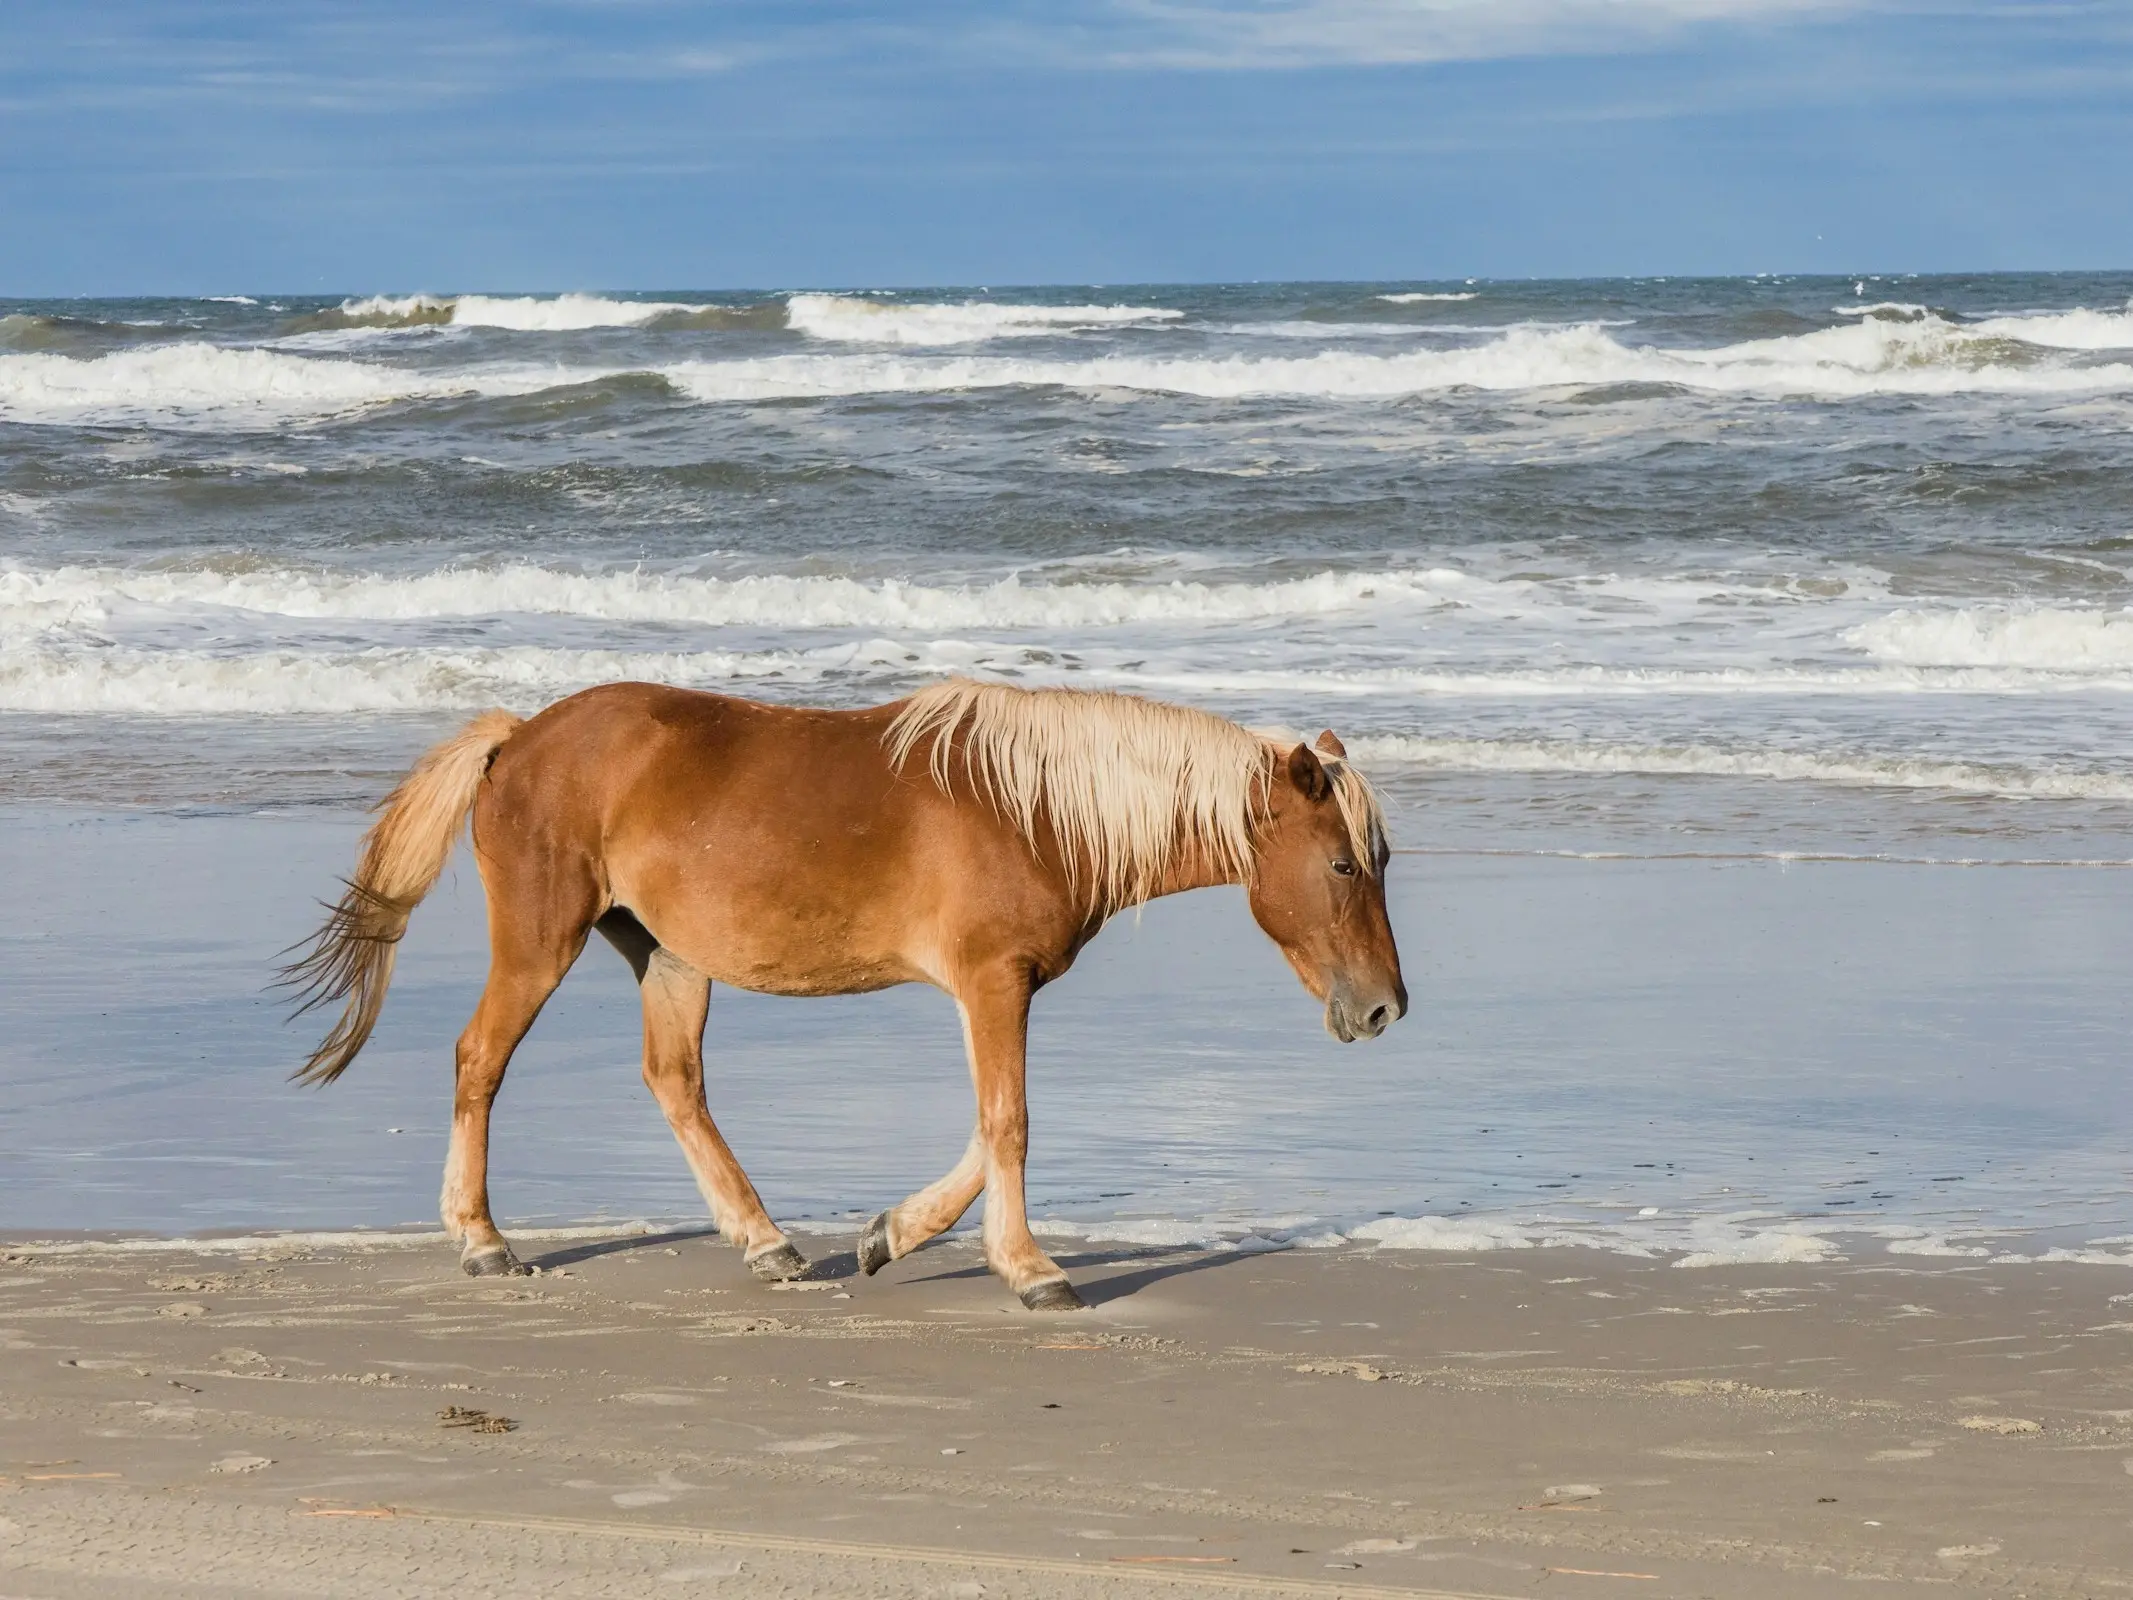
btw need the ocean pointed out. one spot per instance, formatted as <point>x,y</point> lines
<point>1666,597</point>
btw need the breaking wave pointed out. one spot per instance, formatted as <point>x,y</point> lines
<point>1415,298</point>
<point>29,331</point>
<point>2063,330</point>
<point>195,380</point>
<point>1863,358</point>
<point>2040,639</point>
<point>189,683</point>
<point>863,320</point>
<point>208,385</point>
<point>566,313</point>
<point>2080,329</point>
<point>83,594</point>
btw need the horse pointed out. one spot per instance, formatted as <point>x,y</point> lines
<point>974,836</point>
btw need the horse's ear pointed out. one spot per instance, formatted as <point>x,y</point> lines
<point>1306,772</point>
<point>1330,742</point>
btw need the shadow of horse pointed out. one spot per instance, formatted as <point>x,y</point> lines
<point>844,1264</point>
<point>594,1249</point>
<point>1156,1267</point>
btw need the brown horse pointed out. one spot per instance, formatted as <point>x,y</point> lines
<point>973,837</point>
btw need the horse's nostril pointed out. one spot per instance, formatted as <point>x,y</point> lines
<point>1379,1019</point>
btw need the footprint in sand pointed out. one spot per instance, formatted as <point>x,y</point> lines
<point>702,1573</point>
<point>2002,1425</point>
<point>658,1492</point>
<point>810,1444</point>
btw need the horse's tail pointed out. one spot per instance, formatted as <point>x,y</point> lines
<point>351,958</point>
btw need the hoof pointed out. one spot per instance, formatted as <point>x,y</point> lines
<point>874,1252</point>
<point>781,1263</point>
<point>497,1262</point>
<point>1055,1294</point>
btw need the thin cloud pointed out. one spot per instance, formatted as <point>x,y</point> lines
<point>1273,34</point>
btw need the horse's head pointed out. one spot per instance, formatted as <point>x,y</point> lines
<point>1319,889</point>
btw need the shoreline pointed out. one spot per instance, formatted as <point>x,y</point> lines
<point>1783,1241</point>
<point>1299,1422</point>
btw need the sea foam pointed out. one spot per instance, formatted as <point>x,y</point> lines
<point>564,313</point>
<point>279,682</point>
<point>2039,638</point>
<point>866,320</point>
<point>1862,358</point>
<point>1847,769</point>
<point>87,593</point>
<point>195,381</point>
<point>208,385</point>
<point>2064,330</point>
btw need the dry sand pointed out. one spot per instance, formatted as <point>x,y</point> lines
<point>267,1421</point>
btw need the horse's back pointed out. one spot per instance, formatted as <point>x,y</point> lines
<point>773,846</point>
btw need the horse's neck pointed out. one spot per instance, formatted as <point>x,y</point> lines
<point>1193,867</point>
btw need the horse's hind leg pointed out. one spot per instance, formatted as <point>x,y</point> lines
<point>677,999</point>
<point>536,931</point>
<point>513,997</point>
<point>935,1209</point>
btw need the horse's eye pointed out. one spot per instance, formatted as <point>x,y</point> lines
<point>1343,866</point>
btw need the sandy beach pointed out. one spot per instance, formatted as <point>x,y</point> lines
<point>277,1417</point>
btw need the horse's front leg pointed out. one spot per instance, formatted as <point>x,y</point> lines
<point>996,1029</point>
<point>676,1002</point>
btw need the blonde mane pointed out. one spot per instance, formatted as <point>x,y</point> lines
<point>1126,784</point>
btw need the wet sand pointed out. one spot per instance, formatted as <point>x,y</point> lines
<point>272,1420</point>
<point>1841,1043</point>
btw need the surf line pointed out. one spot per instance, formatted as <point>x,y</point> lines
<point>927,1555</point>
<point>1779,857</point>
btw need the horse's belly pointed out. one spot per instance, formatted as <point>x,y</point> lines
<point>794,955</point>
<point>848,976</point>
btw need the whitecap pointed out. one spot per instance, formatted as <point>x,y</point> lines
<point>2063,330</point>
<point>2037,638</point>
<point>195,384</point>
<point>769,600</point>
<point>1862,358</point>
<point>867,320</point>
<point>74,679</point>
<point>562,314</point>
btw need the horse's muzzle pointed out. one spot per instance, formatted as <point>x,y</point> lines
<point>1350,1016</point>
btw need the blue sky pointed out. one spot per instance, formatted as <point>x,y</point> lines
<point>204,146</point>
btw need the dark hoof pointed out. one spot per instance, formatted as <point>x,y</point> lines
<point>779,1264</point>
<point>874,1252</point>
<point>496,1263</point>
<point>1054,1295</point>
